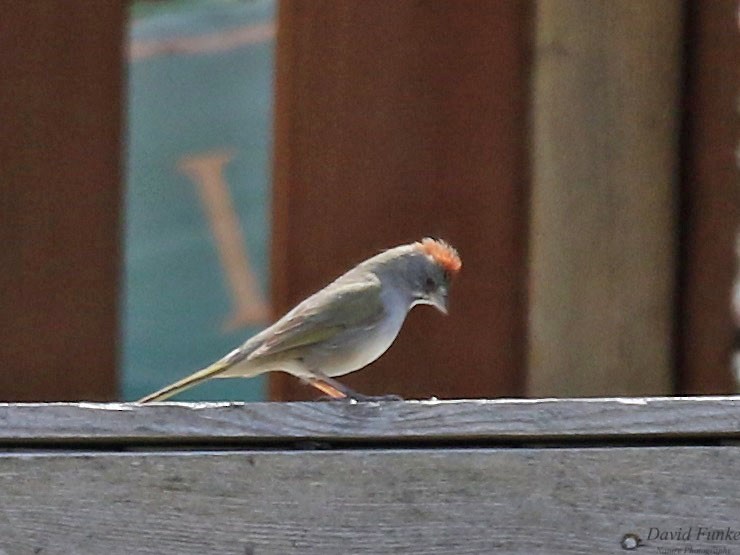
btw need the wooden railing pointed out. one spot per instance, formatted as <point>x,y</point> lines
<point>460,477</point>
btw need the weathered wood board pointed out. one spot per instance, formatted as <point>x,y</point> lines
<point>519,477</point>
<point>473,420</point>
<point>423,502</point>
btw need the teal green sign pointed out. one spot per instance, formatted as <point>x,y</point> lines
<point>197,204</point>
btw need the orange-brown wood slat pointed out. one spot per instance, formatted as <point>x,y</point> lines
<point>395,120</point>
<point>60,148</point>
<point>710,207</point>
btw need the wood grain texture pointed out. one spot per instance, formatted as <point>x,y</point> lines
<point>711,207</point>
<point>603,239</point>
<point>61,70</point>
<point>421,502</point>
<point>394,121</point>
<point>518,421</point>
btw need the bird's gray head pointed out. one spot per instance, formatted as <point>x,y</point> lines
<point>423,270</point>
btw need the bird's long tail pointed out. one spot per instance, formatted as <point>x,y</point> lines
<point>193,379</point>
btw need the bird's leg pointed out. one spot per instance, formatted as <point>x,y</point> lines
<point>324,387</point>
<point>337,390</point>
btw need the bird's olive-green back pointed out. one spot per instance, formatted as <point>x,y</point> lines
<point>339,306</point>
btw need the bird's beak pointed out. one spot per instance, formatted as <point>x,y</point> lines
<point>438,300</point>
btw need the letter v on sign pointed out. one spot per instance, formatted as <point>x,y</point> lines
<point>207,172</point>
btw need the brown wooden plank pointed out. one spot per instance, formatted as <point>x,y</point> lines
<point>520,421</point>
<point>60,152</point>
<point>518,501</point>
<point>396,120</point>
<point>607,79</point>
<point>711,204</point>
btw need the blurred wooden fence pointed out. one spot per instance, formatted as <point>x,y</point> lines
<point>579,153</point>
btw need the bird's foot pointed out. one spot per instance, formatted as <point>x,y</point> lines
<point>367,398</point>
<point>359,398</point>
<point>327,398</point>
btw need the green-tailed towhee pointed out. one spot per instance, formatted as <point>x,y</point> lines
<point>346,325</point>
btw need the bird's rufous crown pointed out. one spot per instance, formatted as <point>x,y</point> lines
<point>442,253</point>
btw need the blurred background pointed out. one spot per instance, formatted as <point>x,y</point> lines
<point>176,174</point>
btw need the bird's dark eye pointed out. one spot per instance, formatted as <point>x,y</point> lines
<point>429,283</point>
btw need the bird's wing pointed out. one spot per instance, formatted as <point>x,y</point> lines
<point>324,315</point>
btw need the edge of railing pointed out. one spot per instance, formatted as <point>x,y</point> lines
<point>472,420</point>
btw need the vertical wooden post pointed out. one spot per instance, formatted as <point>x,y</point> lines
<point>396,120</point>
<point>607,81</point>
<point>60,150</point>
<point>710,210</point>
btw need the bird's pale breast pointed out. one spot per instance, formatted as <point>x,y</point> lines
<point>354,349</point>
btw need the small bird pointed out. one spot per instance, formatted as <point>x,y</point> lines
<point>343,327</point>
